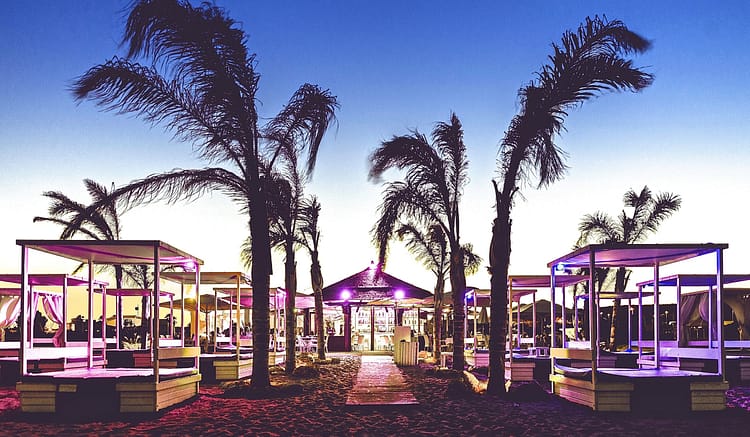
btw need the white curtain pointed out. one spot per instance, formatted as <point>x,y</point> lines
<point>53,306</point>
<point>10,308</point>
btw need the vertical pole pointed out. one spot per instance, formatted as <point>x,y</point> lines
<point>25,298</point>
<point>563,334</point>
<point>593,317</point>
<point>711,318</point>
<point>372,328</point>
<point>533,318</point>
<point>182,316</point>
<point>216,324</point>
<point>657,348</point>
<point>118,317</point>
<point>196,361</point>
<point>552,342</point>
<point>90,337</point>
<point>104,323</point>
<point>155,312</point>
<point>677,309</point>
<point>238,315</point>
<point>719,307</point>
<point>630,326</point>
<point>510,324</point>
<point>640,323</point>
<point>65,311</point>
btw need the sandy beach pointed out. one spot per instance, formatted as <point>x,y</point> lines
<point>321,410</point>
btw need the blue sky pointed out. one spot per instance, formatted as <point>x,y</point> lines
<point>397,66</point>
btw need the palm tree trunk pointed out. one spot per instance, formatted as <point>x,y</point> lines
<point>499,262</point>
<point>438,319</point>
<point>316,279</point>
<point>261,276</point>
<point>290,283</point>
<point>619,288</point>
<point>458,289</point>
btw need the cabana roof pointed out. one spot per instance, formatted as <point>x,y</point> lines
<point>207,277</point>
<point>543,281</point>
<point>51,279</point>
<point>692,280</point>
<point>370,284</point>
<point>135,292</point>
<point>112,251</point>
<point>633,255</point>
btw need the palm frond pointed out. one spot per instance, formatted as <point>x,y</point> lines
<point>600,227</point>
<point>472,261</point>
<point>181,184</point>
<point>302,123</point>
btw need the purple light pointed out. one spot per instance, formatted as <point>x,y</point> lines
<point>189,266</point>
<point>398,294</point>
<point>346,295</point>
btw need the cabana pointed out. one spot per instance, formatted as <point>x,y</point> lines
<point>701,305</point>
<point>521,368</point>
<point>125,357</point>
<point>649,387</point>
<point>45,354</point>
<point>96,391</point>
<point>228,365</point>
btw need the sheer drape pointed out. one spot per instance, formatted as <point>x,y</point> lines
<point>53,306</point>
<point>10,308</point>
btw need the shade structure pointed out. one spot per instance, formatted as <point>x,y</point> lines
<point>208,303</point>
<point>371,284</point>
<point>113,252</point>
<point>633,255</point>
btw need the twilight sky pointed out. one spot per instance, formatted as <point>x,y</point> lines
<point>397,66</point>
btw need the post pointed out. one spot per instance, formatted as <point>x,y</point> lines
<point>719,307</point>
<point>594,341</point>
<point>25,297</point>
<point>657,348</point>
<point>155,313</point>
<point>90,337</point>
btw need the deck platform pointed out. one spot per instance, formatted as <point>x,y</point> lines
<point>106,391</point>
<point>643,390</point>
<point>226,367</point>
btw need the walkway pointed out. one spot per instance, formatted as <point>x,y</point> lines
<point>379,382</point>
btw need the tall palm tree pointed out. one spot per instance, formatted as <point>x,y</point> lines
<point>588,62</point>
<point>430,193</point>
<point>648,213</point>
<point>201,85</point>
<point>310,233</point>
<point>430,247</point>
<point>99,220</point>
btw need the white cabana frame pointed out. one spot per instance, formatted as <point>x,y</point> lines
<point>40,394</point>
<point>707,392</point>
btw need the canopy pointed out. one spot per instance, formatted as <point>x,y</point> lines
<point>633,255</point>
<point>208,303</point>
<point>113,251</point>
<point>52,279</point>
<point>693,280</point>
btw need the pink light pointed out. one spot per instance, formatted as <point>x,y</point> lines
<point>189,266</point>
<point>398,294</point>
<point>346,295</point>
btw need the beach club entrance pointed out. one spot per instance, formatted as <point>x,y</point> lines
<point>372,303</point>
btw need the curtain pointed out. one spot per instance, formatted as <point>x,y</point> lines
<point>704,312</point>
<point>32,315</point>
<point>10,308</point>
<point>53,306</point>
<point>688,314</point>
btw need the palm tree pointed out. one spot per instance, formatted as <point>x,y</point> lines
<point>588,62</point>
<point>100,220</point>
<point>310,240</point>
<point>430,193</point>
<point>201,85</point>
<point>430,247</point>
<point>648,212</point>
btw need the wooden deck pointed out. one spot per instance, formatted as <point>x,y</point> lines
<point>379,383</point>
<point>106,391</point>
<point>644,390</point>
<point>226,367</point>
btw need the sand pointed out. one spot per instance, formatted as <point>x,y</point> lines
<point>321,410</point>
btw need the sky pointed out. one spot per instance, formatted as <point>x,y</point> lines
<point>396,66</point>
